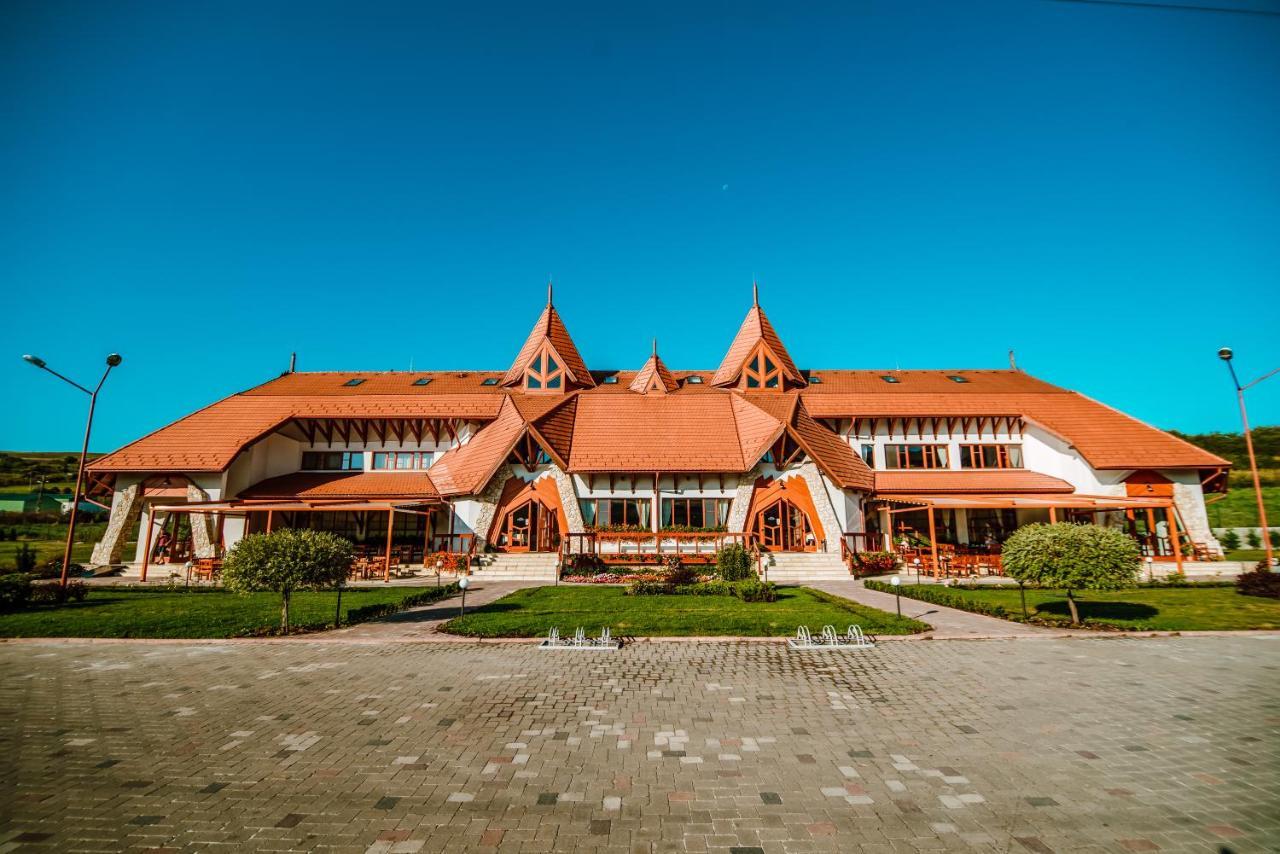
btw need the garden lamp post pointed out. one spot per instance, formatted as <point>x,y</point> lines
<point>1151,569</point>
<point>917,563</point>
<point>112,360</point>
<point>897,596</point>
<point>1225,355</point>
<point>439,568</point>
<point>463,584</point>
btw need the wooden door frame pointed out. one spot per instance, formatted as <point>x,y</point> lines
<point>515,494</point>
<point>795,491</point>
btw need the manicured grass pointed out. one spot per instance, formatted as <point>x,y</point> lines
<point>122,612</point>
<point>46,549</point>
<point>533,612</point>
<point>1194,608</point>
<point>1247,555</point>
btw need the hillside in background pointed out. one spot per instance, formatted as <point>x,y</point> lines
<point>1266,446</point>
<point>26,471</point>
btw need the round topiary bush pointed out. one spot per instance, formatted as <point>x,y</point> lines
<point>1072,557</point>
<point>287,560</point>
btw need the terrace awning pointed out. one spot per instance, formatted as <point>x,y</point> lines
<point>1028,502</point>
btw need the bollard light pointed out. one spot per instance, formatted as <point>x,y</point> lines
<point>1150,569</point>
<point>897,595</point>
<point>439,568</point>
<point>463,584</point>
<point>917,563</point>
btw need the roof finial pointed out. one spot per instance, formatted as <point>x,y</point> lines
<point>755,293</point>
<point>548,290</point>
<point>655,348</point>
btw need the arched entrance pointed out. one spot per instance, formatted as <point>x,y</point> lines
<point>529,517</point>
<point>783,517</point>
<point>784,527</point>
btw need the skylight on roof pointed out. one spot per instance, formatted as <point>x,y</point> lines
<point>814,378</point>
<point>612,379</point>
<point>489,381</point>
<point>890,379</point>
<point>955,378</point>
<point>422,381</point>
<point>694,380</point>
<point>353,382</point>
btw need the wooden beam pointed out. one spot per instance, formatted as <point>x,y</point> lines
<point>386,566</point>
<point>1175,539</point>
<point>933,544</point>
<point>146,549</point>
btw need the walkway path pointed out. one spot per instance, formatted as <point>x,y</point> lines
<point>947,622</point>
<point>423,623</point>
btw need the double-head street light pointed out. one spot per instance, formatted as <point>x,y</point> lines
<point>112,360</point>
<point>1225,355</point>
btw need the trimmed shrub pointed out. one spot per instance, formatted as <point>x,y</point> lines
<point>287,560</point>
<point>648,588</point>
<point>875,563</point>
<point>677,574</point>
<point>15,591</point>
<point>755,590</point>
<point>24,559</point>
<point>1254,541</point>
<point>734,563</point>
<point>1259,582</point>
<point>937,594</point>
<point>52,568</point>
<point>1072,557</point>
<point>55,594</point>
<point>1230,540</point>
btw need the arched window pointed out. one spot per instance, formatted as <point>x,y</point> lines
<point>544,372</point>
<point>761,371</point>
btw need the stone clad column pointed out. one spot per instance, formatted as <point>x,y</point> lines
<point>126,508</point>
<point>201,538</point>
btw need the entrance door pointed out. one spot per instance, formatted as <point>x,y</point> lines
<point>782,526</point>
<point>530,526</point>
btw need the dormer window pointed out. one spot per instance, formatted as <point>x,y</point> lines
<point>761,371</point>
<point>693,380</point>
<point>544,372</point>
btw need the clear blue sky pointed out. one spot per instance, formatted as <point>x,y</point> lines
<point>207,186</point>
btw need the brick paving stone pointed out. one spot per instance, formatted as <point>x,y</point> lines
<point>998,745</point>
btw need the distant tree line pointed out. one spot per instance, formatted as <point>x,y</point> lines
<point>1266,447</point>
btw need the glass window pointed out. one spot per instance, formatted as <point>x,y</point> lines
<point>869,455</point>
<point>332,460</point>
<point>815,379</point>
<point>401,460</point>
<point>956,378</point>
<point>489,381</point>
<point>695,512</point>
<point>915,456</point>
<point>422,381</point>
<point>991,456</point>
<point>890,379</point>
<point>694,380</point>
<point>353,382</point>
<point>612,379</point>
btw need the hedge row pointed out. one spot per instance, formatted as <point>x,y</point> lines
<point>386,609</point>
<point>940,595</point>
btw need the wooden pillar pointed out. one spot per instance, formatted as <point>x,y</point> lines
<point>146,547</point>
<point>1053,515</point>
<point>386,565</point>
<point>1153,542</point>
<point>270,519</point>
<point>219,542</point>
<point>933,544</point>
<point>426,540</point>
<point>1174,539</point>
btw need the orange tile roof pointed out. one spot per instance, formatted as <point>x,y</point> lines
<point>924,481</point>
<point>831,453</point>
<point>556,428</point>
<point>654,376</point>
<point>466,469</point>
<point>550,328</point>
<point>755,328</point>
<point>337,485</point>
<point>695,433</point>
<point>210,438</point>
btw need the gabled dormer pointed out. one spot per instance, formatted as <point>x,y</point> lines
<point>757,359</point>
<point>654,378</point>
<point>548,361</point>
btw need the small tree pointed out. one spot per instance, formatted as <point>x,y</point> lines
<point>1230,540</point>
<point>284,561</point>
<point>1072,557</point>
<point>1253,539</point>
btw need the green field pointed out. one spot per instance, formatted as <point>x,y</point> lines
<point>533,612</point>
<point>1193,608</point>
<point>1239,507</point>
<point>123,612</point>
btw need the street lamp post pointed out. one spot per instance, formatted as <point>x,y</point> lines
<point>112,360</point>
<point>1225,355</point>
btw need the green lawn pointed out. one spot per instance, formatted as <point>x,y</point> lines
<point>1195,608</point>
<point>123,612</point>
<point>1239,507</point>
<point>532,612</point>
<point>46,549</point>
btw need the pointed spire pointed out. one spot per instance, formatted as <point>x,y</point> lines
<point>755,293</point>
<point>550,331</point>
<point>654,376</point>
<point>755,329</point>
<point>548,290</point>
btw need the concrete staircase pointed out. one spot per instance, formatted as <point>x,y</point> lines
<point>517,566</point>
<point>803,567</point>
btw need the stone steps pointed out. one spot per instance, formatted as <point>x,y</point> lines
<point>532,566</point>
<point>799,567</point>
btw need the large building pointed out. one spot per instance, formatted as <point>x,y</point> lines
<point>550,455</point>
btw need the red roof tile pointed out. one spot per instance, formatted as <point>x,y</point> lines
<point>466,469</point>
<point>654,377</point>
<point>337,485</point>
<point>550,328</point>
<point>755,328</point>
<point>1002,481</point>
<point>831,453</point>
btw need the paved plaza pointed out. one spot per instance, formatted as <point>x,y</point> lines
<point>1037,745</point>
